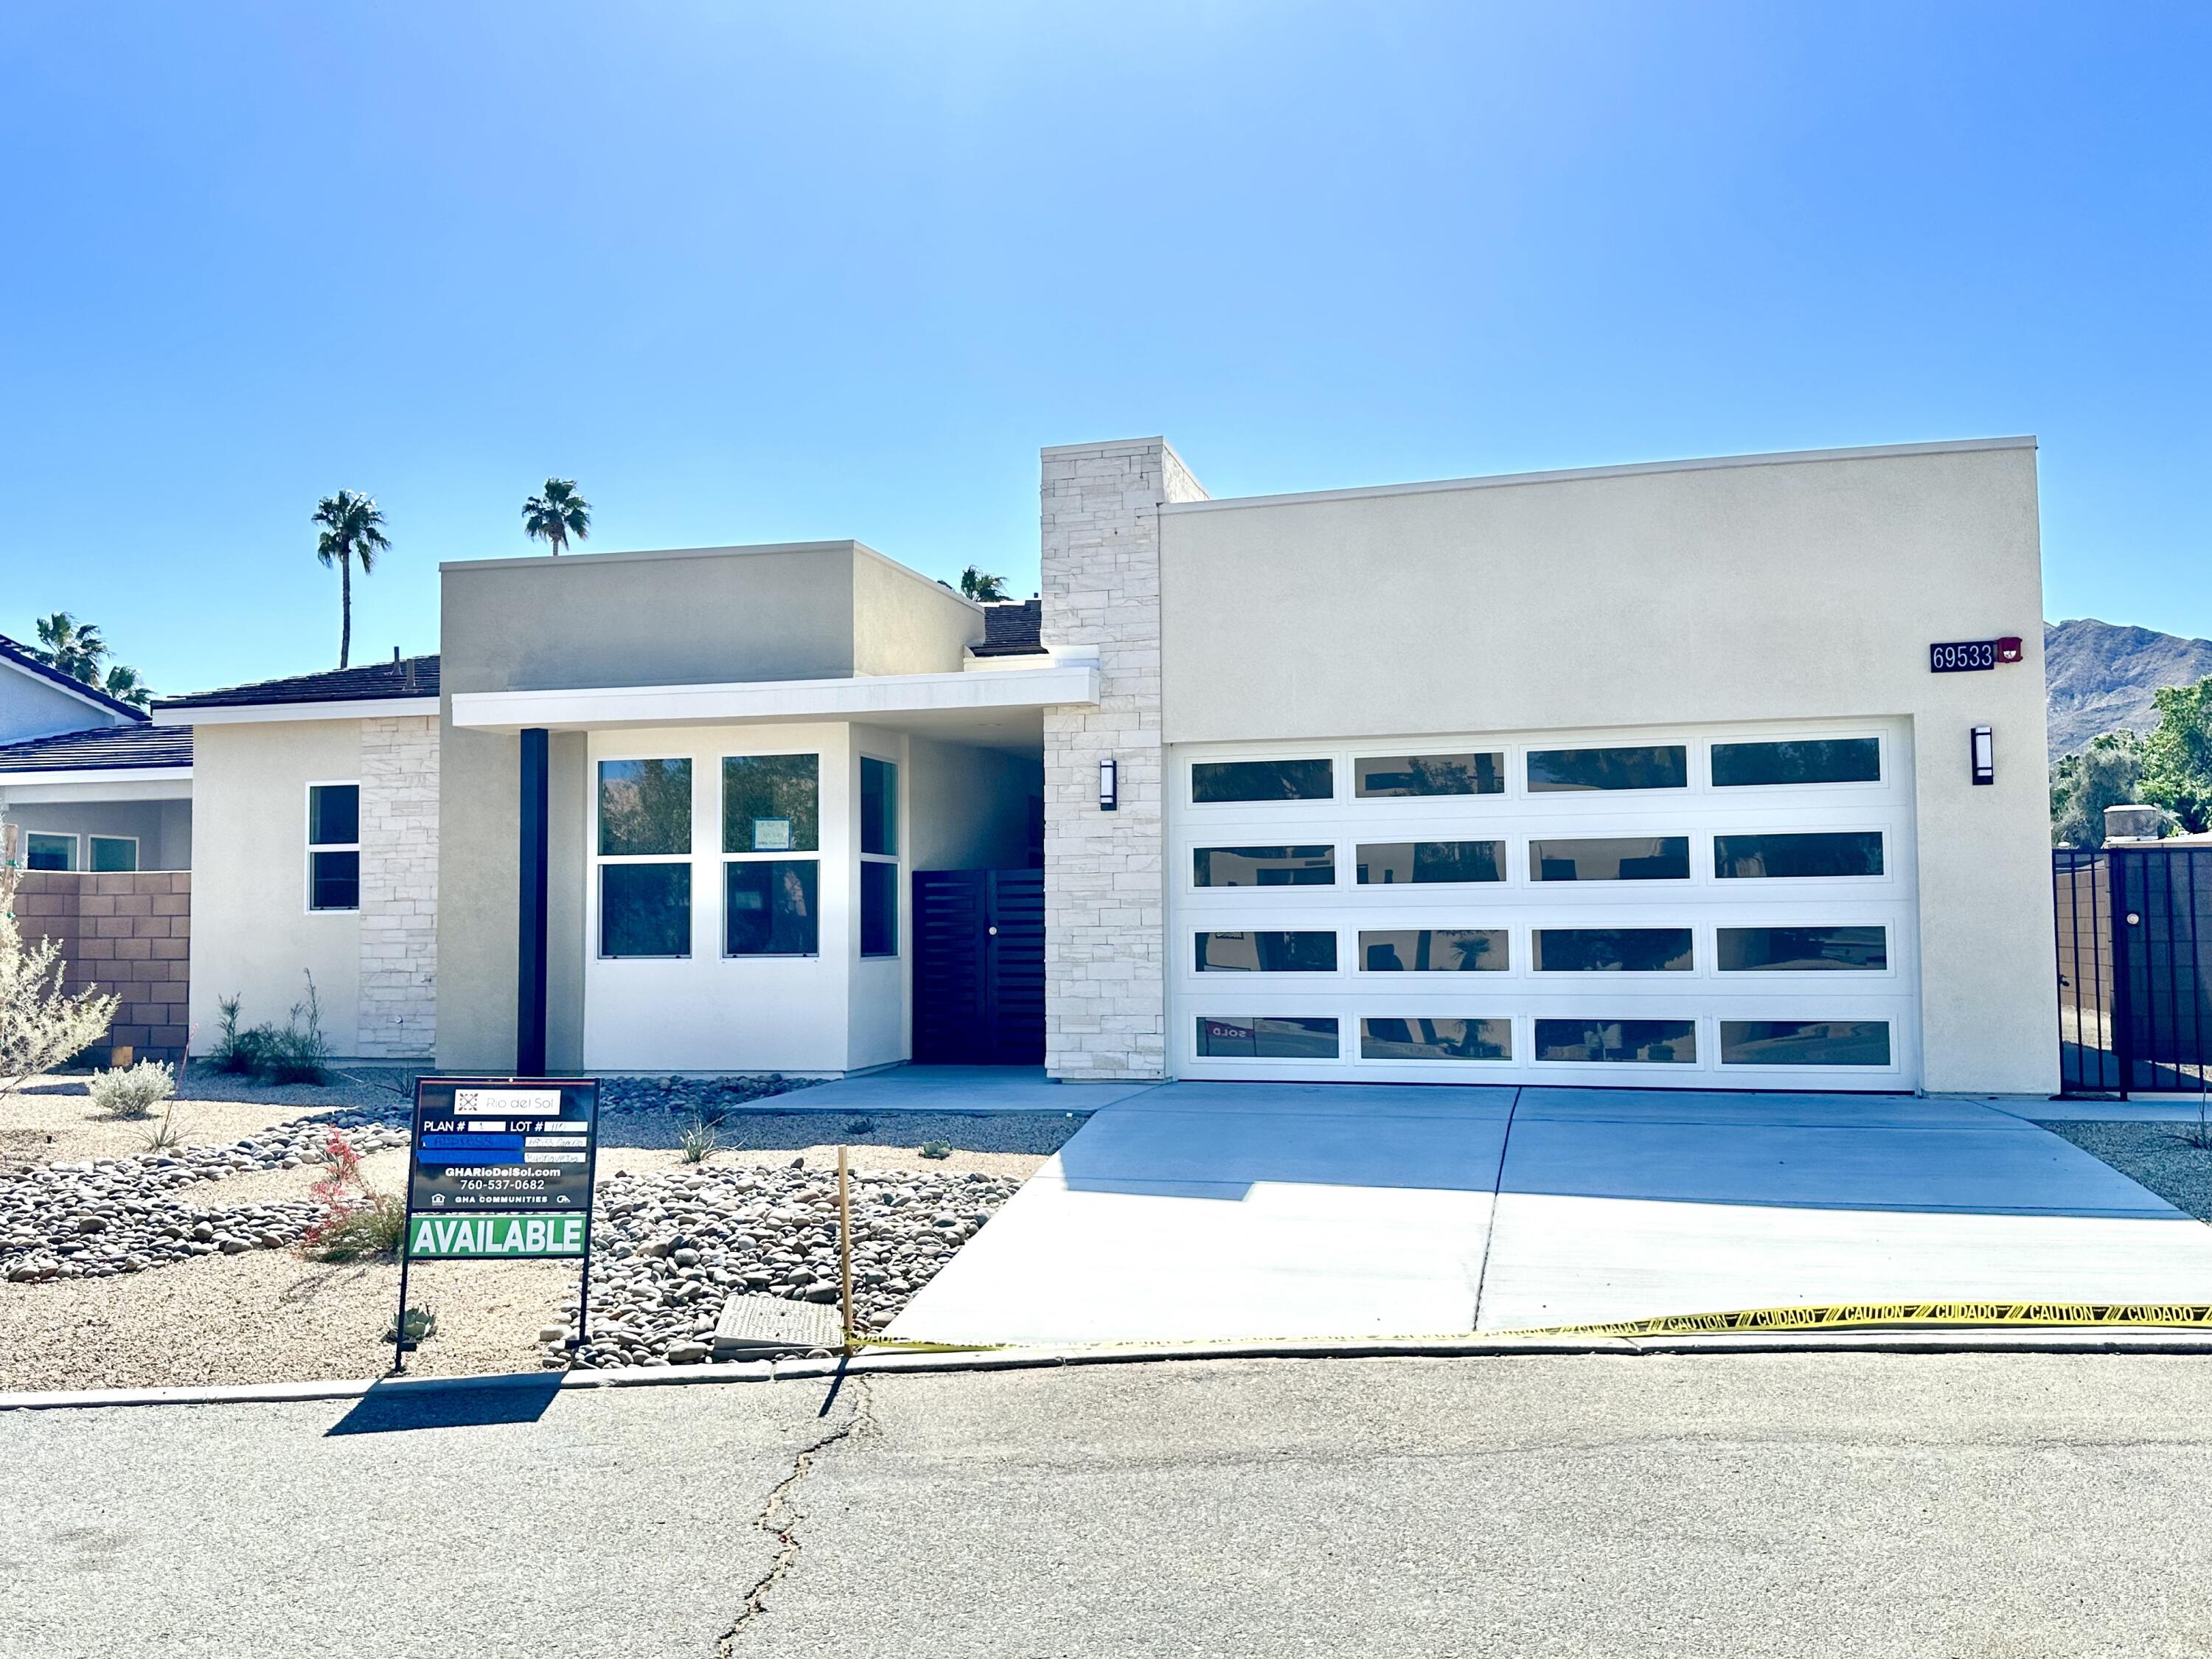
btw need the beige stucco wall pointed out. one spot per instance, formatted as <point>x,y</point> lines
<point>969,808</point>
<point>1787,589</point>
<point>253,935</point>
<point>905,623</point>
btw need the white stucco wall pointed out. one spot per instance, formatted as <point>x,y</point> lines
<point>1787,588</point>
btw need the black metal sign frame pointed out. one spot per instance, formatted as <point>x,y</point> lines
<point>500,1168</point>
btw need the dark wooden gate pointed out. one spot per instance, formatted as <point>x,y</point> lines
<point>979,967</point>
<point>2135,967</point>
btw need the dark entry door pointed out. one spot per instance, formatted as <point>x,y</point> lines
<point>979,967</point>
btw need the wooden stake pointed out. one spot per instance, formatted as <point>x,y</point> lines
<point>845,1242</point>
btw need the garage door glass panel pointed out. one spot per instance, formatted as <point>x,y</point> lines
<point>1429,774</point>
<point>1264,867</point>
<point>1657,1042</point>
<point>1809,760</point>
<point>1436,1039</point>
<point>1818,852</point>
<point>1271,780</point>
<point>1651,858</point>
<point>1254,952</point>
<point>1433,950</point>
<point>1613,950</point>
<point>1409,861</point>
<point>1803,950</point>
<point>1804,1042</point>
<point>1267,1039</point>
<point>1553,771</point>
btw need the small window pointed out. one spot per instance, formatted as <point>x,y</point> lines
<point>1817,853</point>
<point>1650,1041</point>
<point>1554,771</point>
<point>1804,1042</point>
<point>1434,951</point>
<point>1803,950</point>
<point>334,846</point>
<point>1268,1039</point>
<point>1436,1039</point>
<point>1264,867</point>
<point>1811,760</point>
<point>878,909</point>
<point>878,807</point>
<point>771,804</point>
<point>1283,779</point>
<point>1612,951</point>
<point>114,853</point>
<point>1654,857</point>
<point>1253,952</point>
<point>645,910</point>
<point>1429,774</point>
<point>48,852</point>
<point>645,808</point>
<point>771,907</point>
<point>1424,861</point>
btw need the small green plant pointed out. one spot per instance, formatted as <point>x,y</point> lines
<point>421,1323</point>
<point>295,1052</point>
<point>697,1140</point>
<point>133,1091</point>
<point>233,1051</point>
<point>935,1149</point>
<point>861,1126</point>
<point>358,1223</point>
<point>167,1132</point>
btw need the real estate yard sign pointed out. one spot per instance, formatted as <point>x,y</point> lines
<point>500,1168</point>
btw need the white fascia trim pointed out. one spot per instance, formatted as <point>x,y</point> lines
<point>140,783</point>
<point>1634,470</point>
<point>859,698</point>
<point>364,708</point>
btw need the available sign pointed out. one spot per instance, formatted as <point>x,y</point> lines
<point>514,1237</point>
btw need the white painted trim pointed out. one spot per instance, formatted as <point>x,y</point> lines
<point>861,698</point>
<point>17,784</point>
<point>360,708</point>
<point>1633,470</point>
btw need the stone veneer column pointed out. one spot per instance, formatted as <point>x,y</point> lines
<point>399,1018</point>
<point>1105,992</point>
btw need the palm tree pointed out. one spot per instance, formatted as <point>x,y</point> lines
<point>557,515</point>
<point>352,529</point>
<point>73,647</point>
<point>124,686</point>
<point>981,588</point>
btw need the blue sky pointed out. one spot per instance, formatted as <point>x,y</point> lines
<point>760,273</point>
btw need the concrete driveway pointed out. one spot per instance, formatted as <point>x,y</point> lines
<point>1197,1210</point>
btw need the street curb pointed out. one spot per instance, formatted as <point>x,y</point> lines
<point>1902,1343</point>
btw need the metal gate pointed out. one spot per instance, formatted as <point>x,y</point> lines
<point>2134,927</point>
<point>979,967</point>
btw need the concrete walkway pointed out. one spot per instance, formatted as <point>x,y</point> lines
<point>953,1088</point>
<point>1198,1210</point>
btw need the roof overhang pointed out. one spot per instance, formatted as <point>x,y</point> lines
<point>103,783</point>
<point>234,713</point>
<point>936,701</point>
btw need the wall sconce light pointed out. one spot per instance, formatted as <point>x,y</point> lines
<point>1986,755</point>
<point>1109,794</point>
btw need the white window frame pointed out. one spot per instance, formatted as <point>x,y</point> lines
<point>90,839</point>
<point>76,848</point>
<point>725,858</point>
<point>310,847</point>
<point>689,858</point>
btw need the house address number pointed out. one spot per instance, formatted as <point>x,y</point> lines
<point>1971,656</point>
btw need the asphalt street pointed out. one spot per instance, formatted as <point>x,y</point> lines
<point>1805,1505</point>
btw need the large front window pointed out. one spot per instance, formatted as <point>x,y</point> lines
<point>644,842</point>
<point>771,903</point>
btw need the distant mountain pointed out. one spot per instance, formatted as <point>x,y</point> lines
<point>2098,677</point>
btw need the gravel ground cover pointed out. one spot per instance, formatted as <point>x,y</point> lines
<point>2157,1155</point>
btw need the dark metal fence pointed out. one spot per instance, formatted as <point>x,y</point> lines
<point>2134,932</point>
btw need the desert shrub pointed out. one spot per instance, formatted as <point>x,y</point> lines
<point>358,1223</point>
<point>133,1091</point>
<point>697,1140</point>
<point>41,1025</point>
<point>935,1149</point>
<point>295,1052</point>
<point>421,1323</point>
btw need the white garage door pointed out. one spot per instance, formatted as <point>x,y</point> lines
<point>1727,907</point>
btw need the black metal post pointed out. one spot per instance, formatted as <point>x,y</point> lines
<point>400,1324</point>
<point>530,939</point>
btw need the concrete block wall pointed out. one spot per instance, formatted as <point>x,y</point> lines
<point>126,935</point>
<point>399,995</point>
<point>1105,900</point>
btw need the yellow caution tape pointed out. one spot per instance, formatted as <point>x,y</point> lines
<point>1838,1316</point>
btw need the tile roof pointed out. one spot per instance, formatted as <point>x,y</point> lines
<point>22,657</point>
<point>101,748</point>
<point>1012,630</point>
<point>410,677</point>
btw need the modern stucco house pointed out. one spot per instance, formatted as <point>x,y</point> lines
<point>1632,775</point>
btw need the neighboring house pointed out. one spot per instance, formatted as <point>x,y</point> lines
<point>1633,776</point>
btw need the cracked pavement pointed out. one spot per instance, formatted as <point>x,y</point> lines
<point>1805,1504</point>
